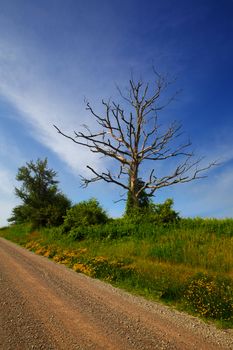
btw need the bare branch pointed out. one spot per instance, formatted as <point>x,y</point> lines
<point>131,136</point>
<point>180,175</point>
<point>105,176</point>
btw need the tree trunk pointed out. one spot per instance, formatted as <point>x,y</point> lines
<point>134,186</point>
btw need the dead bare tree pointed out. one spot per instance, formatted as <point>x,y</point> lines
<point>134,137</point>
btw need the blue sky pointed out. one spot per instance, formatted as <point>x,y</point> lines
<point>54,53</point>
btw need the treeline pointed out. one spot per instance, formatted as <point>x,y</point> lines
<point>44,205</point>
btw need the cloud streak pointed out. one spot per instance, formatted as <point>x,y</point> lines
<point>40,103</point>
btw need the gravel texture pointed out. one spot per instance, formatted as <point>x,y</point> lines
<point>44,305</point>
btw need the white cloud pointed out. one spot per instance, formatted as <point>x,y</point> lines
<point>40,101</point>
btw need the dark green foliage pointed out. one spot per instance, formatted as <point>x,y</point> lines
<point>20,214</point>
<point>139,204</point>
<point>55,211</point>
<point>43,204</point>
<point>163,213</point>
<point>83,214</point>
<point>154,213</point>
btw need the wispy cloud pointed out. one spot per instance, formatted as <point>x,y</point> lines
<point>41,103</point>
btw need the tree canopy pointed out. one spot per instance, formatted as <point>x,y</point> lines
<point>43,203</point>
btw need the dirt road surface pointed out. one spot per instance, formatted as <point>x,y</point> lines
<point>44,305</point>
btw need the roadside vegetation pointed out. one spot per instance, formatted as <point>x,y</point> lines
<point>187,263</point>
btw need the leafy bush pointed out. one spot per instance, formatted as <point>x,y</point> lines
<point>210,296</point>
<point>154,213</point>
<point>164,213</point>
<point>77,233</point>
<point>85,213</point>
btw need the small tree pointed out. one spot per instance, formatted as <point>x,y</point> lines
<point>43,204</point>
<point>133,137</point>
<point>163,213</point>
<point>85,213</point>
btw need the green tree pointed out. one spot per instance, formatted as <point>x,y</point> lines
<point>43,203</point>
<point>85,213</point>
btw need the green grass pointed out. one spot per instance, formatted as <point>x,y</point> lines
<point>18,233</point>
<point>187,264</point>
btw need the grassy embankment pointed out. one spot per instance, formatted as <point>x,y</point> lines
<point>189,265</point>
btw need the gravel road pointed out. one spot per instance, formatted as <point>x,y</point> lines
<point>44,305</point>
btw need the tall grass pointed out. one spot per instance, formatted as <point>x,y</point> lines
<point>198,243</point>
<point>159,261</point>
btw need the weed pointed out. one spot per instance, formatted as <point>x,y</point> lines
<point>210,296</point>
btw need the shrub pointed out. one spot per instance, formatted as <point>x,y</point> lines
<point>210,296</point>
<point>154,213</point>
<point>77,233</point>
<point>164,213</point>
<point>85,213</point>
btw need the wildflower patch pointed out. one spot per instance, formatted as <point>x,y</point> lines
<point>210,296</point>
